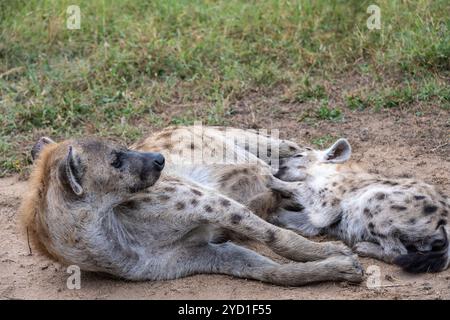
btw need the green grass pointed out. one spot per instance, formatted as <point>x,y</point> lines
<point>323,141</point>
<point>135,65</point>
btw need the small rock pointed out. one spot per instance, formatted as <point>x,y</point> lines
<point>390,278</point>
<point>427,286</point>
<point>364,134</point>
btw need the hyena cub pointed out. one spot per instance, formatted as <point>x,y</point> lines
<point>396,220</point>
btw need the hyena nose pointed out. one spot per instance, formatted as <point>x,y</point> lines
<point>159,161</point>
<point>440,244</point>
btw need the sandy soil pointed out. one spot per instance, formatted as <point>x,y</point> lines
<point>392,142</point>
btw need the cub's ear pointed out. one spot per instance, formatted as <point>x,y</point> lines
<point>339,152</point>
<point>39,146</point>
<point>72,172</point>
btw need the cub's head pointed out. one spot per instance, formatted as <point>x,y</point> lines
<point>298,166</point>
<point>94,166</point>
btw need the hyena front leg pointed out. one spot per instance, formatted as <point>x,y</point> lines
<point>296,221</point>
<point>231,259</point>
<point>311,219</point>
<point>233,216</point>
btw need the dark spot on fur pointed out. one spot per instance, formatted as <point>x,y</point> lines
<point>380,196</point>
<point>225,202</point>
<point>169,189</point>
<point>334,184</point>
<point>235,218</point>
<point>197,192</point>
<point>412,221</point>
<point>367,213</point>
<point>163,197</point>
<point>227,176</point>
<point>429,209</point>
<point>324,204</point>
<point>192,146</point>
<point>419,197</point>
<point>271,238</point>
<point>180,205</point>
<point>335,202</point>
<point>371,226</point>
<point>296,207</point>
<point>208,208</point>
<point>398,208</point>
<point>441,222</point>
<point>194,202</point>
<point>129,205</point>
<point>444,213</point>
<point>377,235</point>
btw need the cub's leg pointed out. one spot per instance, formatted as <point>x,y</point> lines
<point>230,259</point>
<point>386,251</point>
<point>370,249</point>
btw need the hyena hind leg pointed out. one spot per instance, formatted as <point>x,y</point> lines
<point>230,259</point>
<point>286,243</point>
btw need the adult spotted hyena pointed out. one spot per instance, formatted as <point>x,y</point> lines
<point>105,207</point>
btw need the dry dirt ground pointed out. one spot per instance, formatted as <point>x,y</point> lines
<point>395,142</point>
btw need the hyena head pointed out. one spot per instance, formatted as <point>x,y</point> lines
<point>97,167</point>
<point>427,245</point>
<point>298,166</point>
<point>73,177</point>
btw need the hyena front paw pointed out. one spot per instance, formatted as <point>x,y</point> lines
<point>346,268</point>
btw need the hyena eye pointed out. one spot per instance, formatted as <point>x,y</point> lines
<point>117,160</point>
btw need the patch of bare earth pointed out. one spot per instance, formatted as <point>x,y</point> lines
<point>393,142</point>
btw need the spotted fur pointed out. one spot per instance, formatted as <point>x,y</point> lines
<point>399,220</point>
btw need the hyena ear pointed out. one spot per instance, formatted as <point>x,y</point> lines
<point>39,146</point>
<point>339,152</point>
<point>72,172</point>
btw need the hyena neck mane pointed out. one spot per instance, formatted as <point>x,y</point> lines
<point>34,203</point>
<point>46,197</point>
